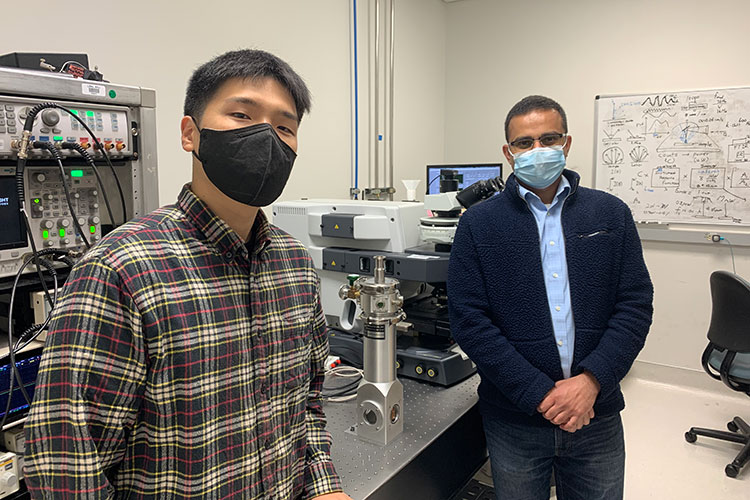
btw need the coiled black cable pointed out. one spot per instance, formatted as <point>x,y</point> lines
<point>29,125</point>
<point>15,374</point>
<point>87,157</point>
<point>56,155</point>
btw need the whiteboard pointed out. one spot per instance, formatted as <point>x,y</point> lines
<point>677,157</point>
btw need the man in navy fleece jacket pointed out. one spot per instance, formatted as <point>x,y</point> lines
<point>550,296</point>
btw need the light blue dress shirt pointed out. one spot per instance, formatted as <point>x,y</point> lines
<point>555,268</point>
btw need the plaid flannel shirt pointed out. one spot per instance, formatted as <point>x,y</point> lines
<point>183,363</point>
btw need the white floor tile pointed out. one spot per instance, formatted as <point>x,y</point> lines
<point>660,464</point>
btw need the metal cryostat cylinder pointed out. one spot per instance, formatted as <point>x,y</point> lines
<point>380,396</point>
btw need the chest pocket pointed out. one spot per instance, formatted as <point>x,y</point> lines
<point>597,253</point>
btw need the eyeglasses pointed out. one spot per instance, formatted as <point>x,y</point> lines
<point>546,140</point>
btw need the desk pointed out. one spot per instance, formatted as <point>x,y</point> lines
<point>441,448</point>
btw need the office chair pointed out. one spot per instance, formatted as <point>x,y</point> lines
<point>727,357</point>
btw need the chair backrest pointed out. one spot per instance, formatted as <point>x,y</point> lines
<point>730,314</point>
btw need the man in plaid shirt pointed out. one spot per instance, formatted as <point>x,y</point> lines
<point>186,355</point>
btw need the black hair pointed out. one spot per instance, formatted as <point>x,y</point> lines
<point>534,103</point>
<point>243,64</point>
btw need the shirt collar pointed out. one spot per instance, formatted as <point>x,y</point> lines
<point>224,238</point>
<point>563,190</point>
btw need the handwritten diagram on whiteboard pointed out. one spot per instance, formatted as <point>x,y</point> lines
<point>677,157</point>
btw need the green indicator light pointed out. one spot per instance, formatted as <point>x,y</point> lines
<point>92,229</point>
<point>74,111</point>
<point>76,173</point>
<point>62,233</point>
<point>57,138</point>
<point>45,234</point>
<point>37,200</point>
<point>89,113</point>
<point>112,94</point>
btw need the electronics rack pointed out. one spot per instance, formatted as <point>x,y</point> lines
<point>122,117</point>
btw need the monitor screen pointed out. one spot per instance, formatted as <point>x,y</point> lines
<point>28,367</point>
<point>13,234</point>
<point>468,173</point>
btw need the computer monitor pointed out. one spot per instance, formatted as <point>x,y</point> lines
<point>28,367</point>
<point>13,234</point>
<point>468,173</point>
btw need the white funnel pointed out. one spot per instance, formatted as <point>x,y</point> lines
<point>411,188</point>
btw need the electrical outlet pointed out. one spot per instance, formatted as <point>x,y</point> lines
<point>715,237</point>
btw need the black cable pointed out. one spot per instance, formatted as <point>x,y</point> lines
<point>14,373</point>
<point>336,394</point>
<point>734,269</point>
<point>430,183</point>
<point>29,335</point>
<point>26,337</point>
<point>86,156</point>
<point>29,125</point>
<point>343,390</point>
<point>343,386</point>
<point>56,155</point>
<point>22,204</point>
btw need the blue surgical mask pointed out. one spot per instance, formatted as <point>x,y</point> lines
<point>539,167</point>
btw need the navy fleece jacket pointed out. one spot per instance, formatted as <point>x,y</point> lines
<point>498,303</point>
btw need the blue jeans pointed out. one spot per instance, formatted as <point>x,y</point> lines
<point>588,464</point>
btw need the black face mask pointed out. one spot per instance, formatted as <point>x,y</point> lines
<point>250,164</point>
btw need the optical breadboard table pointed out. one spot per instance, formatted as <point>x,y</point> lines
<point>441,448</point>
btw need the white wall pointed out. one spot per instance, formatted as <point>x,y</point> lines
<point>500,51</point>
<point>159,44</point>
<point>420,98</point>
<point>419,91</point>
<point>459,68</point>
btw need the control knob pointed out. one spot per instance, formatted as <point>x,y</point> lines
<point>50,117</point>
<point>8,479</point>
